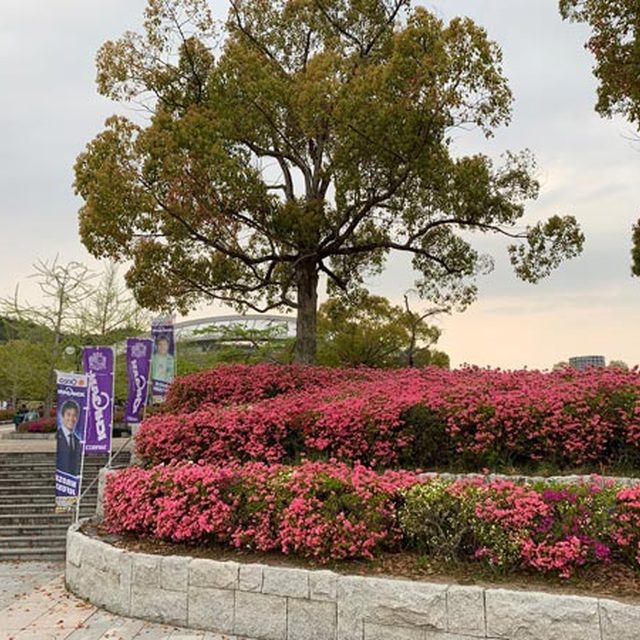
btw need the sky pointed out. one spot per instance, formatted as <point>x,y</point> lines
<point>587,166</point>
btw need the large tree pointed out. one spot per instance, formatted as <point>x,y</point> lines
<point>304,139</point>
<point>615,44</point>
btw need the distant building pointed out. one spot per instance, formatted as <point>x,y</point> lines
<point>583,362</point>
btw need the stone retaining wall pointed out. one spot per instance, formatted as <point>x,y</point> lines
<point>277,603</point>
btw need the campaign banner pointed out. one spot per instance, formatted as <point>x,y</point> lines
<point>163,362</point>
<point>71,419</point>
<point>139,352</point>
<point>99,365</point>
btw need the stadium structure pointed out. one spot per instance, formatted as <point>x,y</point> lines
<point>205,333</point>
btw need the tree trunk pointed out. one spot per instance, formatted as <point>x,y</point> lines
<point>307,283</point>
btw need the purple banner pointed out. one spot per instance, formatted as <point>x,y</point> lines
<point>163,363</point>
<point>98,363</point>
<point>71,418</point>
<point>138,368</point>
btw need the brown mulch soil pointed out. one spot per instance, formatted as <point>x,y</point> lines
<point>614,580</point>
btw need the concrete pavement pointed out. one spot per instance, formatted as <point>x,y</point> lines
<point>34,605</point>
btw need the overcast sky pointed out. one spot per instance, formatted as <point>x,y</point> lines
<point>588,167</point>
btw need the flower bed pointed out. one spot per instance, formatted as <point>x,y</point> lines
<point>242,383</point>
<point>41,425</point>
<point>407,418</point>
<point>331,511</point>
<point>326,511</point>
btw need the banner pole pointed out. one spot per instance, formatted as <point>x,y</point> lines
<point>86,419</point>
<point>113,403</point>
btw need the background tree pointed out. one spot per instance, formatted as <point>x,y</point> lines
<point>77,311</point>
<point>419,331</point>
<point>24,373</point>
<point>110,313</point>
<point>369,330</point>
<point>64,288</point>
<point>615,45</point>
<point>314,141</point>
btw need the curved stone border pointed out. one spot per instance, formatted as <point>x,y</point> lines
<point>278,603</point>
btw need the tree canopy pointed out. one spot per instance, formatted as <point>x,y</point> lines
<point>615,44</point>
<point>305,139</point>
<point>370,330</point>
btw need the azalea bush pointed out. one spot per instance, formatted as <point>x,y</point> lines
<point>245,384</point>
<point>407,418</point>
<point>331,511</point>
<point>40,425</point>
<point>319,510</point>
<point>544,528</point>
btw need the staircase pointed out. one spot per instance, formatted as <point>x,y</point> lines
<point>30,528</point>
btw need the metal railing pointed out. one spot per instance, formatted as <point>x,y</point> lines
<point>109,465</point>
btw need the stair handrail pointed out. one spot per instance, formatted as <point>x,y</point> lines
<point>109,465</point>
<point>113,456</point>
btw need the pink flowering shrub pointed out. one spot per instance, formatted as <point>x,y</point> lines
<point>626,528</point>
<point>331,511</point>
<point>410,418</point>
<point>320,510</point>
<point>340,512</point>
<point>40,425</point>
<point>509,526</point>
<point>245,384</point>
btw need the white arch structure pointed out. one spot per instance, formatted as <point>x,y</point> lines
<point>186,330</point>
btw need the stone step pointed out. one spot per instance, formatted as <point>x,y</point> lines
<point>8,506</point>
<point>42,498</point>
<point>8,477</point>
<point>47,474</point>
<point>32,553</point>
<point>30,528</point>
<point>19,495</point>
<point>48,463</point>
<point>39,474</point>
<point>48,480</point>
<point>38,508</point>
<point>26,481</point>
<point>8,530</point>
<point>28,486</point>
<point>19,489</point>
<point>43,453</point>
<point>44,540</point>
<point>43,519</point>
<point>49,458</point>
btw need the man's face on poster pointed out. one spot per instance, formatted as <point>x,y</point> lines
<point>162,347</point>
<point>69,418</point>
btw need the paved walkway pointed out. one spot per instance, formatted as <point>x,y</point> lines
<point>8,445</point>
<point>35,606</point>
